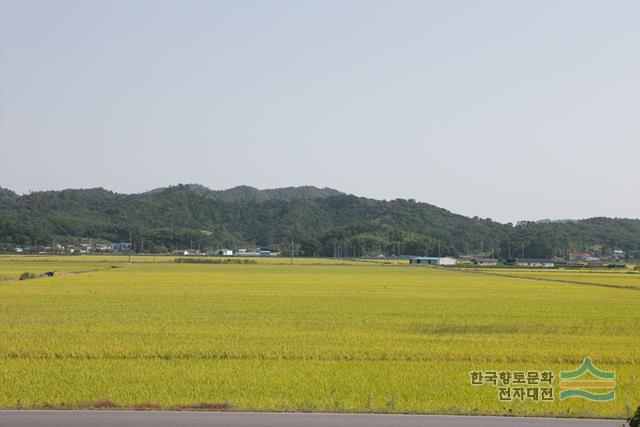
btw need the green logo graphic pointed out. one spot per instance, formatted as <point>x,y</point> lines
<point>588,382</point>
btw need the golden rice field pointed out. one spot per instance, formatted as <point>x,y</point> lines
<point>615,278</point>
<point>319,335</point>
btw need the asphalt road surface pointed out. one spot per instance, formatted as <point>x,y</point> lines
<point>253,419</point>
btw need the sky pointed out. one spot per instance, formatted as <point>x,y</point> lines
<point>510,110</point>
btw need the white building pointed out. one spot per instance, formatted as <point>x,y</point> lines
<point>487,262</point>
<point>185,252</point>
<point>619,254</point>
<point>538,263</point>
<point>248,252</point>
<point>119,247</point>
<point>447,261</point>
<point>432,260</point>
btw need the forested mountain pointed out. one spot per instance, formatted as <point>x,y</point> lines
<point>244,193</point>
<point>319,220</point>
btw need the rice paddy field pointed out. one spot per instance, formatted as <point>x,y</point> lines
<point>624,278</point>
<point>319,335</point>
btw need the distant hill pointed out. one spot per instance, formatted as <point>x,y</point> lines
<point>245,193</point>
<point>321,221</point>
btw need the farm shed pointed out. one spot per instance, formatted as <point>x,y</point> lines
<point>485,261</point>
<point>432,260</point>
<point>543,263</point>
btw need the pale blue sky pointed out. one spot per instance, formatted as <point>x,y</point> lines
<point>503,109</point>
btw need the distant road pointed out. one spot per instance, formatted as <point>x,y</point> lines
<point>257,419</point>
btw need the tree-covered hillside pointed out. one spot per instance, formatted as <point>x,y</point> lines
<point>5,194</point>
<point>321,221</point>
<point>245,193</point>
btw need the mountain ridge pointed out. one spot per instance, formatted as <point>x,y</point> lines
<point>319,219</point>
<point>250,193</point>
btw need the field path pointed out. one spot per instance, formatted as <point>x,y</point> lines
<point>546,279</point>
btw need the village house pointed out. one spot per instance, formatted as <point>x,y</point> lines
<point>538,263</point>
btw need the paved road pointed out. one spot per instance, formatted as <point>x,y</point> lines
<point>253,419</point>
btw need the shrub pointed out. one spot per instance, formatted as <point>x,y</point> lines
<point>634,420</point>
<point>616,265</point>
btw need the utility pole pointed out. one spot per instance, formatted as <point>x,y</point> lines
<point>130,241</point>
<point>523,250</point>
<point>439,252</point>
<point>292,249</point>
